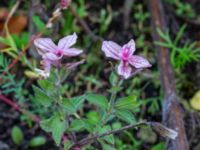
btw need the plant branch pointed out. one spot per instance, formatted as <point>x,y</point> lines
<point>88,140</point>
<point>17,107</point>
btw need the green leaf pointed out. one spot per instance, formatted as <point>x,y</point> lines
<point>46,84</point>
<point>109,138</point>
<point>115,89</point>
<point>68,106</point>
<point>77,101</point>
<point>77,125</point>
<point>37,141</point>
<point>93,117</point>
<point>46,124</point>
<point>159,146</point>
<point>42,97</point>
<point>38,22</point>
<point>98,100</point>
<point>127,103</point>
<point>73,104</point>
<point>113,79</point>
<point>56,126</point>
<point>106,146</point>
<point>58,129</point>
<point>17,135</point>
<point>126,116</point>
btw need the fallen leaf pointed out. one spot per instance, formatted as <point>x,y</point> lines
<point>195,101</point>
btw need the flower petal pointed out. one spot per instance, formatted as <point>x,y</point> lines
<point>129,48</point>
<point>72,52</point>
<point>42,73</point>
<point>111,49</point>
<point>50,57</point>
<point>67,41</point>
<point>139,62</point>
<point>45,44</point>
<point>124,70</point>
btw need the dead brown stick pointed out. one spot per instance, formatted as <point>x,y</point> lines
<point>172,113</point>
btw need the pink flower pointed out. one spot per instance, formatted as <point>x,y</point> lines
<point>52,54</point>
<point>124,54</point>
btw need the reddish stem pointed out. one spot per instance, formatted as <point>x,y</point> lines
<point>17,107</point>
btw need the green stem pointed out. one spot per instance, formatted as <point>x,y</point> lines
<point>113,97</point>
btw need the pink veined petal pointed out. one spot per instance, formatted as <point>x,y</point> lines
<point>72,52</point>
<point>47,65</point>
<point>111,49</point>
<point>45,44</point>
<point>139,62</point>
<point>51,57</point>
<point>129,48</point>
<point>124,70</point>
<point>67,41</point>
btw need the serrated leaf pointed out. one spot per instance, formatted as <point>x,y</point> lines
<point>127,103</point>
<point>98,100</point>
<point>56,126</point>
<point>37,141</point>
<point>126,116</point>
<point>77,125</point>
<point>46,124</point>
<point>46,84</point>
<point>77,101</point>
<point>17,135</point>
<point>73,104</point>
<point>58,129</point>
<point>109,138</point>
<point>68,106</point>
<point>42,97</point>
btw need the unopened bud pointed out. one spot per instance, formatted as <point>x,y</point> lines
<point>164,131</point>
<point>65,3</point>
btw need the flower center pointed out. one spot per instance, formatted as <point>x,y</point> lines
<point>125,53</point>
<point>59,53</point>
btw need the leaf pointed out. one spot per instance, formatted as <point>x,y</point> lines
<point>98,100</point>
<point>127,103</point>
<point>159,146</point>
<point>195,101</point>
<point>113,79</point>
<point>126,116</point>
<point>46,124</point>
<point>109,138</point>
<point>58,129</point>
<point>38,22</point>
<point>37,141</point>
<point>93,117</point>
<point>17,135</point>
<point>77,125</point>
<point>77,101</point>
<point>106,146</point>
<point>73,104</point>
<point>56,126</point>
<point>115,89</point>
<point>41,97</point>
<point>46,84</point>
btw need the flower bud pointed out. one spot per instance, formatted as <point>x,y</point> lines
<point>65,3</point>
<point>164,131</point>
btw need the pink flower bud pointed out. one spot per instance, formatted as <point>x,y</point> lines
<point>65,3</point>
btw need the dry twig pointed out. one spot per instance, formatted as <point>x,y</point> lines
<point>172,112</point>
